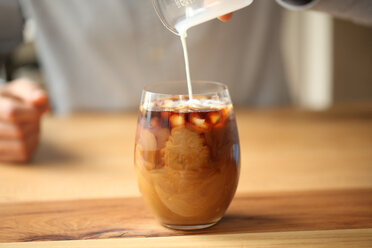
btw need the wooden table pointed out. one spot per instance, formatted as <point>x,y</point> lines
<point>306,181</point>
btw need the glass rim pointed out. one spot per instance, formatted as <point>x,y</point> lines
<point>151,88</point>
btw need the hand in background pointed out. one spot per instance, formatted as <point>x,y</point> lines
<point>226,17</point>
<point>22,103</point>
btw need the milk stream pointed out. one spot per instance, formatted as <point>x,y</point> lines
<point>187,66</point>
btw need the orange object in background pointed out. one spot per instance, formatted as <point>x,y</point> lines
<point>226,17</point>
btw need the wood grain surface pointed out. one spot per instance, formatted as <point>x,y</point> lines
<point>354,238</point>
<point>127,217</point>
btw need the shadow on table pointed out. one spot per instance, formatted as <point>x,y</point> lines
<point>49,154</point>
<point>249,224</point>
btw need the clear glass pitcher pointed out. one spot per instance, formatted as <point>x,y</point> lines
<point>180,15</point>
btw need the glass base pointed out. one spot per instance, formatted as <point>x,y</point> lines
<point>189,227</point>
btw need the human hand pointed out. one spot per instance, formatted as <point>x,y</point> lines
<point>22,103</point>
<point>226,17</point>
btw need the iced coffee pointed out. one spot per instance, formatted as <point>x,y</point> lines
<point>187,159</point>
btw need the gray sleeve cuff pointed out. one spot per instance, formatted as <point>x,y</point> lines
<point>355,10</point>
<point>297,4</point>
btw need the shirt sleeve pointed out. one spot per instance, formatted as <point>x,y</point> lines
<point>11,26</point>
<point>356,10</point>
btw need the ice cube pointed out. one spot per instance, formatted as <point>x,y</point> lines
<point>155,122</point>
<point>145,154</point>
<point>162,135</point>
<point>177,120</point>
<point>147,140</point>
<point>214,117</point>
<point>199,122</point>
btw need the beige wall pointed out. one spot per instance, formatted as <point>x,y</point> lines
<point>326,58</point>
<point>352,62</point>
<point>307,40</point>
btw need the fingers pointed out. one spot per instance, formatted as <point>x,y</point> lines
<point>28,92</point>
<point>21,105</point>
<point>18,150</point>
<point>17,131</point>
<point>22,101</point>
<point>226,17</point>
<point>15,111</point>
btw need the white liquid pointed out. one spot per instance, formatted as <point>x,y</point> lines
<point>187,66</point>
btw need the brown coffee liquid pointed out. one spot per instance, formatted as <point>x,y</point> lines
<point>187,163</point>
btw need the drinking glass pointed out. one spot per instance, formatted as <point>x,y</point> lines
<point>187,155</point>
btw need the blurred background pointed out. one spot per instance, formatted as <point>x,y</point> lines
<point>336,65</point>
<point>327,60</point>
